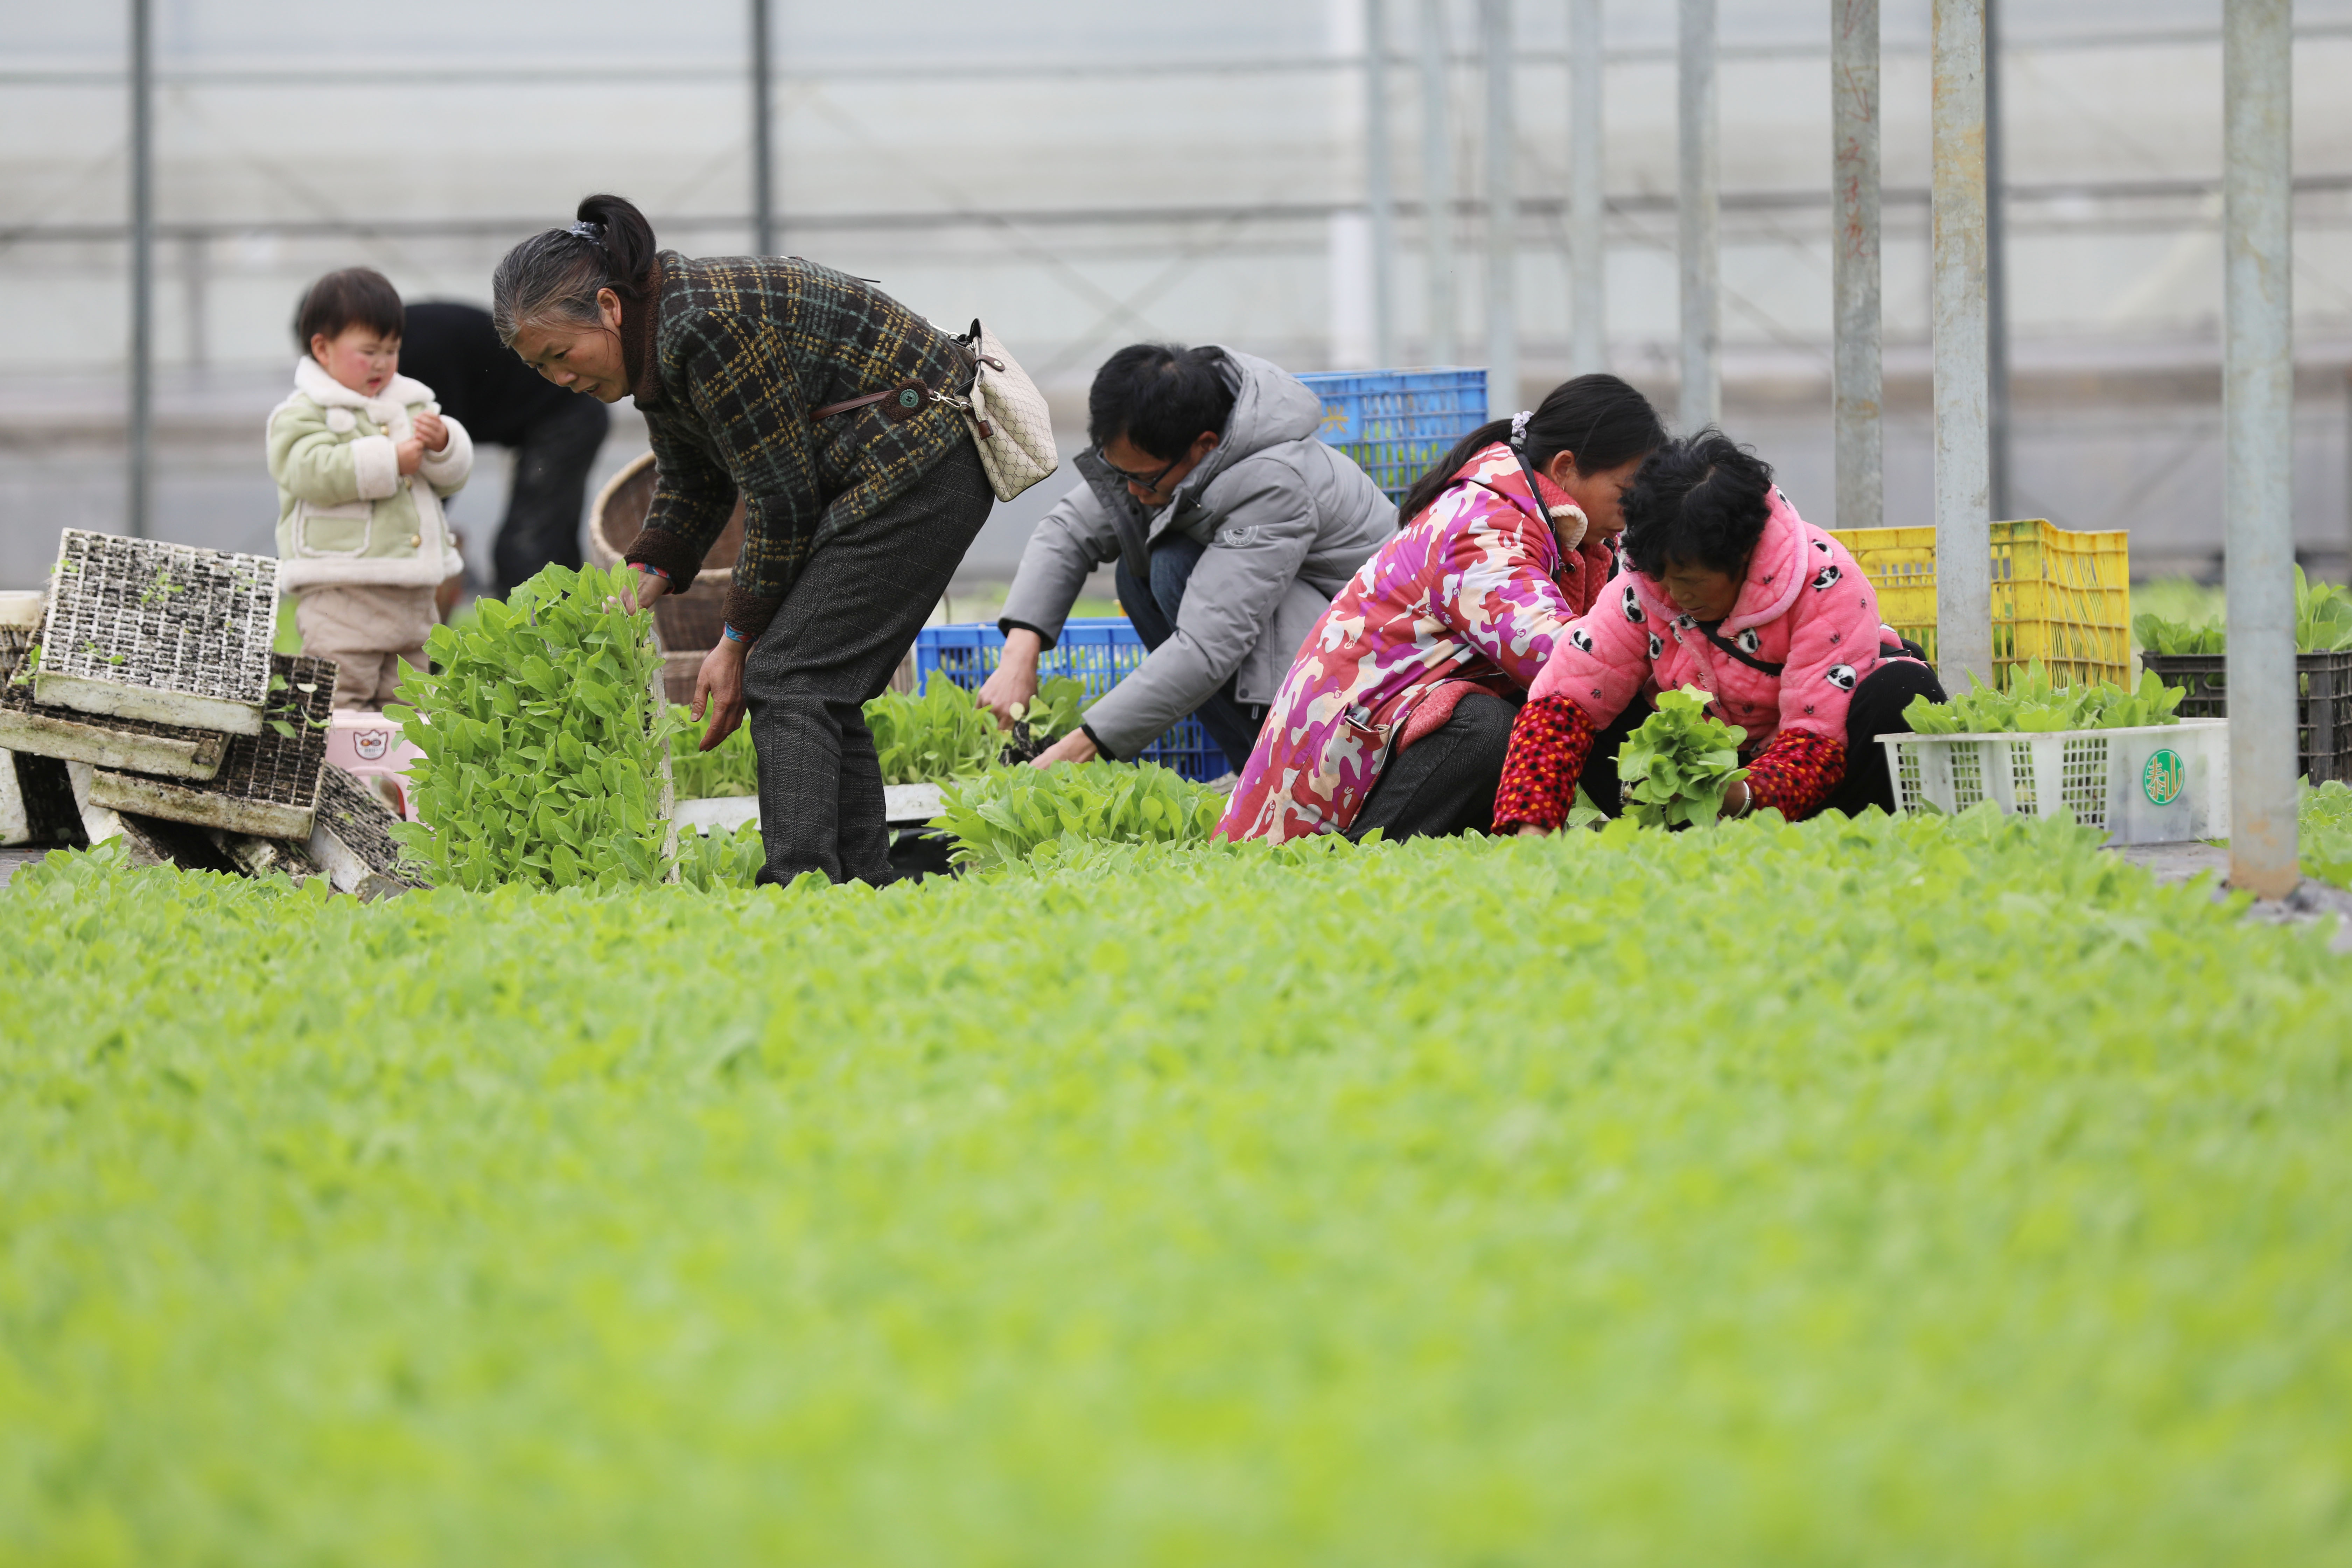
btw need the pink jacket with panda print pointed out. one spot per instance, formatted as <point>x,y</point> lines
<point>1805,606</point>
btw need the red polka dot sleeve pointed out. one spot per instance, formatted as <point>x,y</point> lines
<point>1549,741</point>
<point>1795,774</point>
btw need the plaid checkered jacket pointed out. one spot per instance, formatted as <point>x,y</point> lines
<point>741,349</point>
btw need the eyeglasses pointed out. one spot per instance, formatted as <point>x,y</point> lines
<point>1150,485</point>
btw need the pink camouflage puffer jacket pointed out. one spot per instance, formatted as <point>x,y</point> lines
<point>1472,592</point>
<point>1805,607</point>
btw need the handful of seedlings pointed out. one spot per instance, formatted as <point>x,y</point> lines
<point>1677,766</point>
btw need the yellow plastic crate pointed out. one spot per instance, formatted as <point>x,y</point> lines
<point>2063,598</point>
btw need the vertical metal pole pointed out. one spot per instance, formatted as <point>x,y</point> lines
<point>1379,193</point>
<point>1587,238</point>
<point>195,266</point>
<point>1438,182</point>
<point>1957,314</point>
<point>141,412</point>
<point>1857,368</point>
<point>763,183</point>
<point>1702,314</point>
<point>1502,216</point>
<point>2258,416</point>
<point>1996,160</point>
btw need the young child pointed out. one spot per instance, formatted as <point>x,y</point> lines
<point>362,459</point>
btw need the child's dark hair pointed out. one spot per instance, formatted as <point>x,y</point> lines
<point>1160,398</point>
<point>357,296</point>
<point>1702,500</point>
<point>554,276</point>
<point>1600,420</point>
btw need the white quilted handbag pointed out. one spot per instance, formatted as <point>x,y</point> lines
<point>1008,418</point>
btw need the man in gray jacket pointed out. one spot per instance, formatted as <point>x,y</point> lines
<point>1231,525</point>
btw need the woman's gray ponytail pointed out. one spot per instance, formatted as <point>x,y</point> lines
<point>554,278</point>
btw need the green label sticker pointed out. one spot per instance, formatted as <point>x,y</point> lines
<point>2162,778</point>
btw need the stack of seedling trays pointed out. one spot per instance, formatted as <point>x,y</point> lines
<point>152,687</point>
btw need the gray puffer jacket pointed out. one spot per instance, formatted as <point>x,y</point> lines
<point>1285,519</point>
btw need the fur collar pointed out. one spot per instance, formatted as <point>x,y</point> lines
<point>311,380</point>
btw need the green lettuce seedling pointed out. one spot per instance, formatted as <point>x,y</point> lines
<point>1004,815</point>
<point>729,768</point>
<point>542,740</point>
<point>2032,706</point>
<point>2323,623</point>
<point>941,735</point>
<point>1677,765</point>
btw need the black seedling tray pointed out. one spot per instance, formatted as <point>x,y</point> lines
<point>352,840</point>
<point>142,630</point>
<point>2323,702</point>
<point>33,730</point>
<point>268,783</point>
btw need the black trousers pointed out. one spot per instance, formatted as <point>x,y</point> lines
<point>847,622</point>
<point>1877,710</point>
<point>1443,783</point>
<point>549,492</point>
<point>1878,704</point>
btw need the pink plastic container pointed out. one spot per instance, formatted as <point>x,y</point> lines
<point>371,747</point>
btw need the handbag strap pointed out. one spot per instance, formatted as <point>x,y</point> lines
<point>1726,645</point>
<point>830,409</point>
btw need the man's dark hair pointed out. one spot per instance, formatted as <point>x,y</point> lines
<point>357,296</point>
<point>1160,398</point>
<point>1702,500</point>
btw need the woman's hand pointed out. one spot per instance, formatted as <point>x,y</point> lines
<point>719,688</point>
<point>1013,682</point>
<point>431,430</point>
<point>647,586</point>
<point>1077,746</point>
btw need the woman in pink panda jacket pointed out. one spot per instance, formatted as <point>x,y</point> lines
<point>1727,589</point>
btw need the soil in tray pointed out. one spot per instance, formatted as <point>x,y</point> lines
<point>101,739</point>
<point>267,781</point>
<point>357,818</point>
<point>159,625</point>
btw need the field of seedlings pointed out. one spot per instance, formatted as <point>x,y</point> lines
<point>1932,1191</point>
<point>1937,1189</point>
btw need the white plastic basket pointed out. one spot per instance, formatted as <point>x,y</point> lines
<point>2159,783</point>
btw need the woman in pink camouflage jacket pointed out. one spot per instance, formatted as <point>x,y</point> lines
<point>1725,588</point>
<point>1397,712</point>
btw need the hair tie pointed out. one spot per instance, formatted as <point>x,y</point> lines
<point>583,229</point>
<point>1519,427</point>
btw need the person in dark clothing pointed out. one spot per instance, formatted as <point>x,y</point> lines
<point>832,410</point>
<point>555,435</point>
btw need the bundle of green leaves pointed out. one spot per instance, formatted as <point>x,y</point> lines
<point>1677,765</point>
<point>1058,708</point>
<point>719,859</point>
<point>2324,832</point>
<point>543,743</point>
<point>2323,623</point>
<point>1006,815</point>
<point>729,768</point>
<point>2032,706</point>
<point>943,734</point>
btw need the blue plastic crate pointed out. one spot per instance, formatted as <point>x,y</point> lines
<point>1396,423</point>
<point>1099,650</point>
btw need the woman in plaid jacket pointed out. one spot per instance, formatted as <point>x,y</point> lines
<point>855,517</point>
